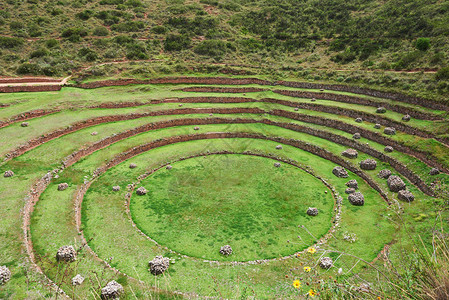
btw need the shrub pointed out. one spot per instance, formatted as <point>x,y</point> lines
<point>214,48</point>
<point>159,29</point>
<point>123,39</point>
<point>423,44</point>
<point>51,43</point>
<point>176,42</point>
<point>128,26</point>
<point>111,2</point>
<point>28,68</point>
<point>100,31</point>
<point>85,15</point>
<point>67,33</point>
<point>10,42</point>
<point>88,54</point>
<point>134,3</point>
<point>39,53</point>
<point>442,74</point>
<point>16,25</point>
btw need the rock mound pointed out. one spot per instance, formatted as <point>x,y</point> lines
<point>63,186</point>
<point>381,110</point>
<point>377,126</point>
<point>326,262</point>
<point>141,191</point>
<point>385,173</point>
<point>340,172</point>
<point>434,171</point>
<point>368,164</point>
<point>395,183</point>
<point>66,253</point>
<point>406,118</point>
<point>116,188</point>
<point>24,124</point>
<point>279,147</point>
<point>356,199</point>
<point>226,250</point>
<point>390,130</point>
<point>169,167</point>
<point>112,290</point>
<point>356,136</point>
<point>8,173</point>
<point>388,149</point>
<point>277,165</point>
<point>5,275</point>
<point>359,120</point>
<point>312,211</point>
<point>350,153</point>
<point>77,280</point>
<point>196,128</point>
<point>159,265</point>
<point>132,166</point>
<point>352,184</point>
<point>350,190</point>
<point>405,195</point>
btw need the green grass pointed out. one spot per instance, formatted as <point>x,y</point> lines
<point>207,202</point>
<point>108,229</point>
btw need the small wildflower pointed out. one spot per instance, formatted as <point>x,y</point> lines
<point>340,271</point>
<point>311,250</point>
<point>296,284</point>
<point>312,293</point>
<point>307,269</point>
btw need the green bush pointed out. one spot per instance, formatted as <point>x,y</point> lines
<point>39,53</point>
<point>10,42</point>
<point>442,74</point>
<point>27,68</point>
<point>129,26</point>
<point>88,54</point>
<point>51,43</point>
<point>422,44</point>
<point>159,29</point>
<point>214,48</point>
<point>85,15</point>
<point>111,2</point>
<point>176,42</point>
<point>100,31</point>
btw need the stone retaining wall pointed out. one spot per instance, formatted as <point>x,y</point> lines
<point>29,88</point>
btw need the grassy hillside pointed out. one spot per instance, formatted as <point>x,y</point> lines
<point>56,37</point>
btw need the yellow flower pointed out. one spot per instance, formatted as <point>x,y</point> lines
<point>296,284</point>
<point>312,293</point>
<point>307,269</point>
<point>311,250</point>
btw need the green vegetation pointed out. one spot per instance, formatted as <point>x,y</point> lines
<point>191,209</point>
<point>256,207</point>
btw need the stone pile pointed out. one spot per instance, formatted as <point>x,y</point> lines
<point>159,265</point>
<point>226,250</point>
<point>112,290</point>
<point>385,173</point>
<point>8,173</point>
<point>390,130</point>
<point>395,183</point>
<point>368,164</point>
<point>350,153</point>
<point>312,211</point>
<point>340,172</point>
<point>5,275</point>
<point>405,195</point>
<point>356,199</point>
<point>326,263</point>
<point>352,184</point>
<point>66,253</point>
<point>141,191</point>
<point>63,186</point>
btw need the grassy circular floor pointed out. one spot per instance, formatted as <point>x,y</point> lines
<point>206,202</point>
